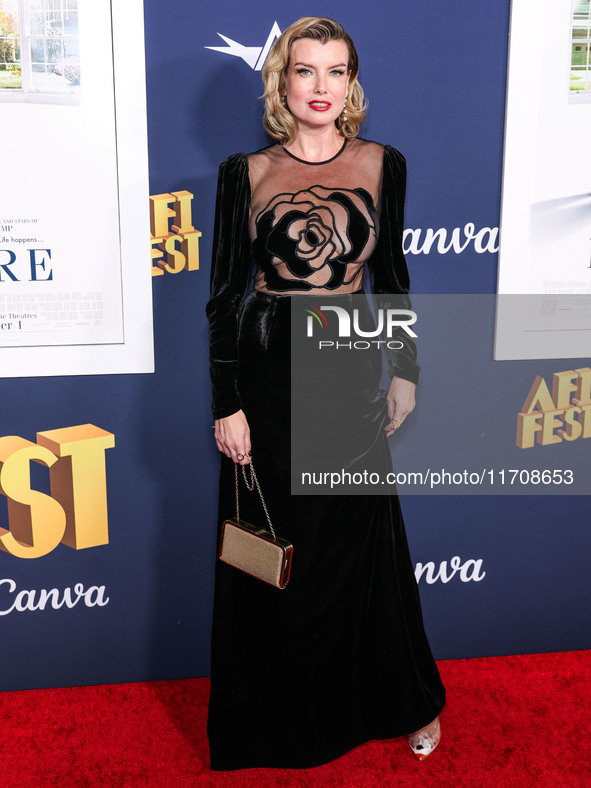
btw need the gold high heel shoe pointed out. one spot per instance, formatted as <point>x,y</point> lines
<point>425,740</point>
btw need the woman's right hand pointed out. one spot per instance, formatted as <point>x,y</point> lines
<point>232,436</point>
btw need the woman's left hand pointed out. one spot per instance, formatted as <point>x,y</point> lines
<point>401,401</point>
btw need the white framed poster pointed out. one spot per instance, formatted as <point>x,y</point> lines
<point>75,282</point>
<point>546,205</point>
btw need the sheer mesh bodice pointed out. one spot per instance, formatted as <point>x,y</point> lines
<point>314,225</point>
<point>308,228</point>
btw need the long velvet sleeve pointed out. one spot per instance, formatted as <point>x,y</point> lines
<point>388,273</point>
<point>230,272</point>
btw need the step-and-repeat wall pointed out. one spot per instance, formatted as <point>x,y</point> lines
<point>107,560</point>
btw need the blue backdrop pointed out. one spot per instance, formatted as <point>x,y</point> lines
<point>435,75</point>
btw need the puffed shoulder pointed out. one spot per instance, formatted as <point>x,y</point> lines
<point>234,160</point>
<point>394,154</point>
<point>394,160</point>
<point>235,166</point>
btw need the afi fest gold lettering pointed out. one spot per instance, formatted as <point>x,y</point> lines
<point>175,247</point>
<point>563,415</point>
<point>75,513</point>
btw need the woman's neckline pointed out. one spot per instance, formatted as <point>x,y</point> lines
<point>326,161</point>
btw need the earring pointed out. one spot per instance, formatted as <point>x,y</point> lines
<point>344,113</point>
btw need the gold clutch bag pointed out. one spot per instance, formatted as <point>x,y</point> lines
<point>257,551</point>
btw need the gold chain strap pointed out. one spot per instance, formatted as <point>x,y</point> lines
<point>253,480</point>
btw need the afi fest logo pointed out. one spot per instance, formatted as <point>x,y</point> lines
<point>75,513</point>
<point>388,321</point>
<point>563,415</point>
<point>175,247</point>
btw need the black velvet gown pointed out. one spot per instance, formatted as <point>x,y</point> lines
<point>302,675</point>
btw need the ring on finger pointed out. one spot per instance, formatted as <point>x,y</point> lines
<point>240,457</point>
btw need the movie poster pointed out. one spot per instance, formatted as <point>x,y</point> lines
<point>546,210</point>
<point>62,269</point>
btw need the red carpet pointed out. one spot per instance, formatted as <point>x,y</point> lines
<point>510,721</point>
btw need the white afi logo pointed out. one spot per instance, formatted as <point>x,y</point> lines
<point>254,56</point>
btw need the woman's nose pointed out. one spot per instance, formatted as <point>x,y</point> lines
<point>320,84</point>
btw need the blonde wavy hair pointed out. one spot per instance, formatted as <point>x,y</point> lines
<point>278,120</point>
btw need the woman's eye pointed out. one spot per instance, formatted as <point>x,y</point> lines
<point>303,71</point>
<point>337,73</point>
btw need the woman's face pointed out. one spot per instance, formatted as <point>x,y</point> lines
<point>316,82</point>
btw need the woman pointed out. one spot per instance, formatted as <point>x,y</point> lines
<point>302,675</point>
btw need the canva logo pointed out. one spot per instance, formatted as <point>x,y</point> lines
<point>457,240</point>
<point>388,320</point>
<point>252,56</point>
<point>563,415</point>
<point>175,242</point>
<point>75,513</point>
<point>29,599</point>
<point>467,571</point>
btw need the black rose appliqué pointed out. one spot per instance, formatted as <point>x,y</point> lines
<point>316,231</point>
